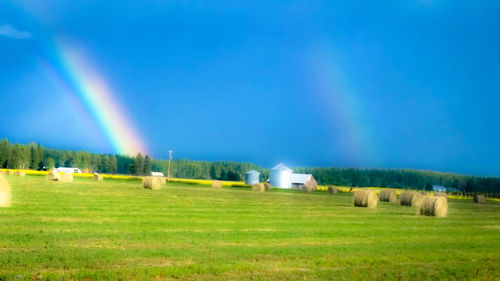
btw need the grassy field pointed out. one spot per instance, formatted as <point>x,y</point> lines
<point>117,230</point>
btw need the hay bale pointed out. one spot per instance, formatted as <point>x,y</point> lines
<point>434,206</point>
<point>268,186</point>
<point>259,187</point>
<point>9,173</point>
<point>53,176</point>
<point>440,194</point>
<point>163,180</point>
<point>151,183</point>
<point>411,199</point>
<point>5,192</point>
<point>388,195</point>
<point>97,177</point>
<point>311,185</point>
<point>307,188</point>
<point>66,177</point>
<point>332,189</point>
<point>217,185</point>
<point>20,173</point>
<point>479,199</point>
<point>365,198</point>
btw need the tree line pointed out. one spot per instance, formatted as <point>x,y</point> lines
<point>401,178</point>
<point>34,156</point>
<point>220,170</point>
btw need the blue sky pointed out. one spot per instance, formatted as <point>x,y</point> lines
<point>399,84</point>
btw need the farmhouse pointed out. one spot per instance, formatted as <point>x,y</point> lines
<point>282,176</point>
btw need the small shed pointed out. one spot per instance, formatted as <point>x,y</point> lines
<point>300,180</point>
<point>252,177</point>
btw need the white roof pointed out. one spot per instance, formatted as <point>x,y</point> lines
<point>253,172</point>
<point>300,178</point>
<point>281,167</point>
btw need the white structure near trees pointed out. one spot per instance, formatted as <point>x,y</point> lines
<point>252,177</point>
<point>283,177</point>
<point>69,170</point>
<point>157,174</point>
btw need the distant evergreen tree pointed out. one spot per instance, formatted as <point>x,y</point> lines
<point>33,157</point>
<point>50,163</point>
<point>5,153</point>
<point>147,166</point>
<point>106,164</point>
<point>139,165</point>
<point>39,152</point>
<point>114,165</point>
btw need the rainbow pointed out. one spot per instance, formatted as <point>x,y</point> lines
<point>343,109</point>
<point>93,92</point>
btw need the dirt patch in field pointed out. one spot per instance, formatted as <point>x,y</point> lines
<point>293,243</point>
<point>73,219</point>
<point>491,226</point>
<point>147,262</point>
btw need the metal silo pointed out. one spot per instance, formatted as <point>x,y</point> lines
<point>281,176</point>
<point>252,177</point>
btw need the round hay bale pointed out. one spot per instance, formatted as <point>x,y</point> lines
<point>365,198</point>
<point>20,173</point>
<point>163,180</point>
<point>217,185</point>
<point>417,199</point>
<point>259,187</point>
<point>311,185</point>
<point>388,195</point>
<point>411,199</point>
<point>307,188</point>
<point>97,177</point>
<point>268,186</point>
<point>53,176</point>
<point>9,172</point>
<point>479,199</point>
<point>332,189</point>
<point>66,177</point>
<point>434,206</point>
<point>151,183</point>
<point>5,192</point>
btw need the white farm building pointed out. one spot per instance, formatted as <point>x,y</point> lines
<point>283,177</point>
<point>252,177</point>
<point>68,170</point>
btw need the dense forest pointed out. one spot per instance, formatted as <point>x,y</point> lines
<point>402,178</point>
<point>34,156</point>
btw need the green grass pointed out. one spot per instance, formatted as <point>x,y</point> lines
<point>117,230</point>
